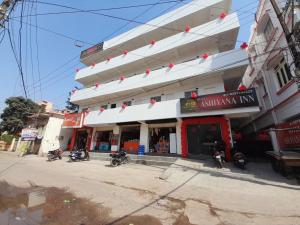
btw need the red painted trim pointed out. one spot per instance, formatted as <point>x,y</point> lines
<point>205,120</point>
<point>285,87</point>
<point>74,134</point>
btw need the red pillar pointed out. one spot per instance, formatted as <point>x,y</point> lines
<point>72,144</point>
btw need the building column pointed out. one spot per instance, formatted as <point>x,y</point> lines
<point>178,136</point>
<point>144,136</point>
<point>274,141</point>
<point>116,139</point>
<point>93,143</point>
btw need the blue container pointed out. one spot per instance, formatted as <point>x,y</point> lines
<point>141,150</point>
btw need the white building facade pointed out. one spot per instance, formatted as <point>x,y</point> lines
<point>168,86</point>
<point>272,72</point>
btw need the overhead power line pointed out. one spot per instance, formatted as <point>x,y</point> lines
<point>97,10</point>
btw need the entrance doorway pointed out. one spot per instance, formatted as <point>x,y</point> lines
<point>198,133</point>
<point>201,138</point>
<point>162,140</point>
<point>130,138</point>
<point>81,139</point>
<point>103,140</point>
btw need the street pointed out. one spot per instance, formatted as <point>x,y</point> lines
<point>185,193</point>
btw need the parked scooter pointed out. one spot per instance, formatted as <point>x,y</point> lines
<point>218,158</point>
<point>55,154</point>
<point>76,155</point>
<point>239,158</point>
<point>118,158</point>
<point>218,154</point>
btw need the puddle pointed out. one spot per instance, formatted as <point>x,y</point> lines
<point>53,206</point>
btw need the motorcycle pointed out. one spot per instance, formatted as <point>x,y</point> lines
<point>76,155</point>
<point>218,154</point>
<point>218,159</point>
<point>239,158</point>
<point>118,158</point>
<point>55,154</point>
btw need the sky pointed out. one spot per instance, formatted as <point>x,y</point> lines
<point>50,60</point>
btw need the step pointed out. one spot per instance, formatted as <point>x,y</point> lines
<point>138,159</point>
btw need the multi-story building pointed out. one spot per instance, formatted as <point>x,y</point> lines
<point>272,71</point>
<point>170,85</point>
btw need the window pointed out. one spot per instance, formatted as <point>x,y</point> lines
<point>112,106</point>
<point>283,73</point>
<point>104,106</point>
<point>128,103</point>
<point>268,30</point>
<point>157,98</point>
<point>188,94</point>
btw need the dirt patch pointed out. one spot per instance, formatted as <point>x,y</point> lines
<point>53,206</point>
<point>137,220</point>
<point>182,220</point>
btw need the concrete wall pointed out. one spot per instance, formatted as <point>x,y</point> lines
<point>54,136</point>
<point>262,69</point>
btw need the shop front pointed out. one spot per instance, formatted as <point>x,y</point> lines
<point>81,135</point>
<point>102,140</point>
<point>130,138</point>
<point>198,134</point>
<point>162,139</point>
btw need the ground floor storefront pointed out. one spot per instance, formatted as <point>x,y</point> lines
<point>189,127</point>
<point>186,137</point>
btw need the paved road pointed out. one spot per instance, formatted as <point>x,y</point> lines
<point>187,194</point>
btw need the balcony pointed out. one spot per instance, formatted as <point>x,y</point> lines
<point>231,65</point>
<point>160,110</point>
<point>215,36</point>
<point>195,13</point>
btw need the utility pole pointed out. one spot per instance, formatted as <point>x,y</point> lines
<point>3,11</point>
<point>291,40</point>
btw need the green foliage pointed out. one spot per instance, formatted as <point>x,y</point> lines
<point>7,138</point>
<point>71,106</point>
<point>14,116</point>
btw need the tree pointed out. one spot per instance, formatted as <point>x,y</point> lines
<point>71,106</point>
<point>14,116</point>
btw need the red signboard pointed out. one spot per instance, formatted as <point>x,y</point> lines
<point>288,134</point>
<point>73,120</point>
<point>224,100</point>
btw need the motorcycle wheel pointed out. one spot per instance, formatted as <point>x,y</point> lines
<point>50,158</point>
<point>219,162</point>
<point>114,162</point>
<point>125,160</point>
<point>242,166</point>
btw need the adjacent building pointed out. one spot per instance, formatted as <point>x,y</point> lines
<point>272,72</point>
<point>168,86</point>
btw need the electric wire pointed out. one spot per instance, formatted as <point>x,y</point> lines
<point>37,55</point>
<point>19,67</point>
<point>211,71</point>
